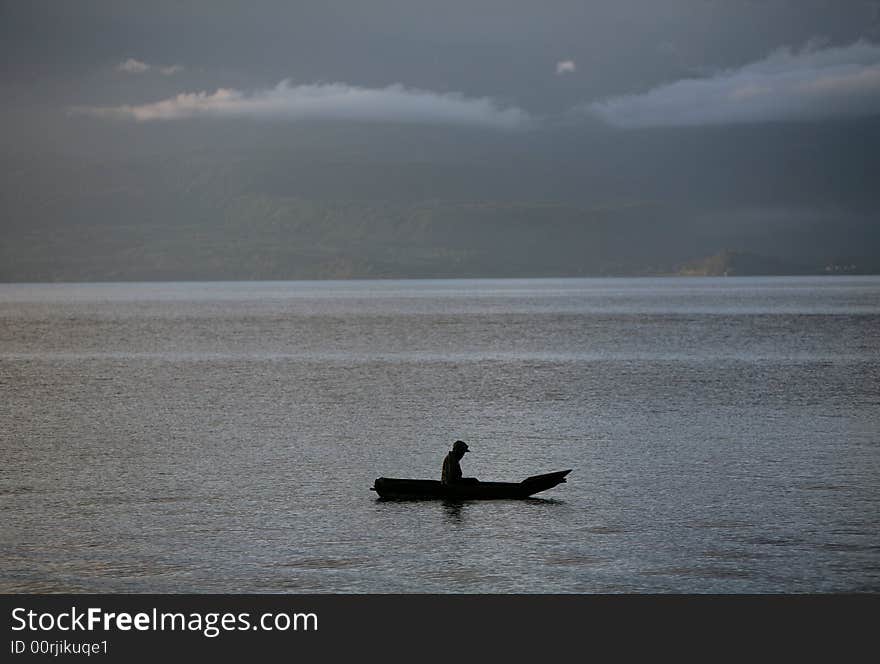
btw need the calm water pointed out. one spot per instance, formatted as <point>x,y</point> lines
<point>724,435</point>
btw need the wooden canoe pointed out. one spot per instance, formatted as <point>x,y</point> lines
<point>402,489</point>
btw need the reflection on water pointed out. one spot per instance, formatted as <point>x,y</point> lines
<point>223,437</point>
<point>453,510</point>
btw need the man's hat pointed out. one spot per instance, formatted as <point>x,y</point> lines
<point>459,446</point>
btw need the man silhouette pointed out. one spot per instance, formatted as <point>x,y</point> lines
<point>452,468</point>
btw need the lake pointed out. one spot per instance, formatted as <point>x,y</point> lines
<point>724,435</point>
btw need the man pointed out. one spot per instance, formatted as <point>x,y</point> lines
<point>452,468</point>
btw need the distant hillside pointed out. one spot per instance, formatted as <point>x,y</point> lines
<point>733,263</point>
<point>252,216</point>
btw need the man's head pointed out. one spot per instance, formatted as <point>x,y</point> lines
<point>459,447</point>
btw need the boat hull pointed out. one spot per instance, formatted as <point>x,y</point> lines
<point>405,489</point>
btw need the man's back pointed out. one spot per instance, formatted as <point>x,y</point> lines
<point>451,469</point>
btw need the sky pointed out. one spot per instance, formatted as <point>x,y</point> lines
<point>490,63</point>
<point>505,49</point>
<point>635,98</point>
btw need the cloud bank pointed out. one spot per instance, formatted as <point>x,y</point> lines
<point>565,67</point>
<point>806,85</point>
<point>394,103</point>
<point>133,66</point>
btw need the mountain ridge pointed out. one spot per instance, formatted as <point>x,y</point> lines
<point>205,217</point>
